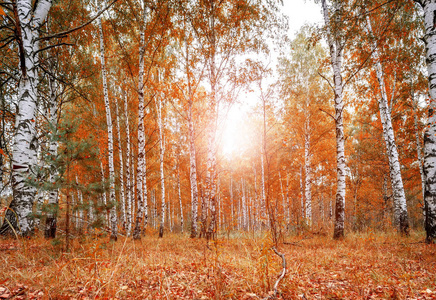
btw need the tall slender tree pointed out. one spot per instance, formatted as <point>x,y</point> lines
<point>110,138</point>
<point>336,48</point>
<point>400,204</point>
<point>141,179</point>
<point>429,7</point>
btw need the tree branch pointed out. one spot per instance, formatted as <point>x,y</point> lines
<point>63,33</point>
<point>326,79</point>
<point>282,275</point>
<point>327,113</point>
<point>53,46</point>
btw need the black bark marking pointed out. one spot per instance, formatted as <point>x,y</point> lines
<point>434,19</point>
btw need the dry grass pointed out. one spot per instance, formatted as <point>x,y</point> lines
<point>369,266</point>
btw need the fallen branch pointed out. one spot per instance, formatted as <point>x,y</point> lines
<point>282,275</point>
<point>291,243</point>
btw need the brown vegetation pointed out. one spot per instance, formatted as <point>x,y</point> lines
<point>362,266</point>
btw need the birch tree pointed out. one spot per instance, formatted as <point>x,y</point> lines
<point>161,162</point>
<point>429,7</point>
<point>141,179</point>
<point>110,138</point>
<point>336,47</point>
<point>29,18</point>
<point>129,184</point>
<point>179,193</point>
<point>120,153</point>
<point>51,220</point>
<point>400,204</point>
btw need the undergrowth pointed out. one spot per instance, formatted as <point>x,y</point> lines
<point>362,266</point>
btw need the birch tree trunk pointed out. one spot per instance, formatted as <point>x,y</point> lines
<point>211,159</point>
<point>79,209</point>
<point>128,173</point>
<point>429,7</point>
<point>179,193</point>
<point>231,202</point>
<point>192,155</point>
<point>110,140</point>
<point>302,206</point>
<point>282,192</point>
<point>244,206</point>
<point>288,212</point>
<point>256,200</point>
<point>308,169</point>
<point>400,205</point>
<point>103,195</point>
<point>51,220</point>
<point>263,195</point>
<point>418,143</point>
<point>336,48</point>
<point>28,20</point>
<point>120,153</point>
<point>141,182</point>
<point>161,159</point>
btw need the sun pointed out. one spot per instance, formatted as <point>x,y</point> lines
<point>233,135</point>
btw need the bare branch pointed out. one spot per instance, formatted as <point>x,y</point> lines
<point>327,113</point>
<point>326,79</point>
<point>64,33</point>
<point>53,46</point>
<point>282,275</point>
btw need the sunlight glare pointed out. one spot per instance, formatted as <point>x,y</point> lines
<point>233,136</point>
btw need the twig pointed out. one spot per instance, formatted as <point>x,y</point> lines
<point>328,114</point>
<point>283,271</point>
<point>64,33</point>
<point>274,295</point>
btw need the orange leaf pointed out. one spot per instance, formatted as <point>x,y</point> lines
<point>2,12</point>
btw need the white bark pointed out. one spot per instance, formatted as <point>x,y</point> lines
<point>211,175</point>
<point>336,48</point>
<point>263,195</point>
<point>256,200</point>
<point>28,21</point>
<point>141,181</point>
<point>79,210</point>
<point>193,173</point>
<point>91,216</point>
<point>288,212</point>
<point>51,220</point>
<point>282,192</point>
<point>308,169</point>
<point>303,208</point>
<point>231,202</point>
<point>419,147</point>
<point>400,204</point>
<point>120,153</point>
<point>161,160</point>
<point>110,140</point>
<point>244,206</point>
<point>429,7</point>
<point>192,154</point>
<point>129,185</point>
<point>104,196</point>
<point>179,193</point>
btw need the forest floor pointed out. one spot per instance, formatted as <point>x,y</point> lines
<point>362,266</point>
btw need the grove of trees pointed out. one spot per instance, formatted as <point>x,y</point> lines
<point>113,117</point>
